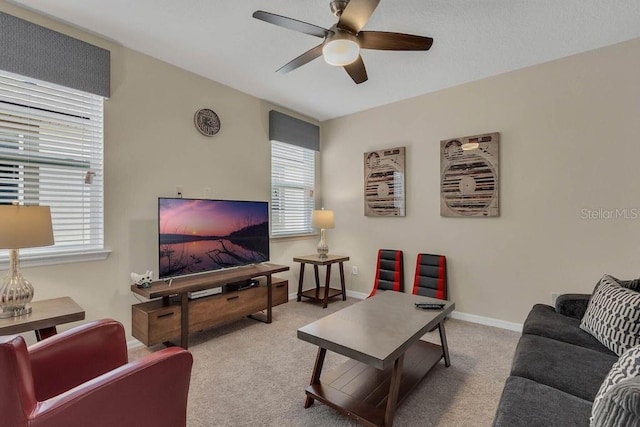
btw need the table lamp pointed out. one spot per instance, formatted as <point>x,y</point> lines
<point>322,219</point>
<point>21,227</point>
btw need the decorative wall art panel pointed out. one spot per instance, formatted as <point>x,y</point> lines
<point>469,178</point>
<point>384,183</point>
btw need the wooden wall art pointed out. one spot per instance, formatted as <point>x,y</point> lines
<point>469,176</point>
<point>384,182</point>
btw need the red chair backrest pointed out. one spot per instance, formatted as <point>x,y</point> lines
<point>431,276</point>
<point>389,271</point>
<point>17,396</point>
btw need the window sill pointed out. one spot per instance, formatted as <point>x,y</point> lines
<point>294,237</point>
<point>66,257</point>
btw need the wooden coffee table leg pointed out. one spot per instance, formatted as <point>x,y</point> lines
<point>269,299</point>
<point>327,282</point>
<point>394,388</point>
<point>317,370</point>
<point>317,275</point>
<point>344,290</point>
<point>45,333</point>
<point>445,347</point>
<point>184,321</point>
<point>300,280</point>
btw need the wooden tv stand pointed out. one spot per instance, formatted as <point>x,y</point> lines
<point>175,315</point>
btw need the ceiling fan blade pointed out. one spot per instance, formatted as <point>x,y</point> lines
<point>290,23</point>
<point>381,40</point>
<point>306,57</point>
<point>357,14</point>
<point>357,71</point>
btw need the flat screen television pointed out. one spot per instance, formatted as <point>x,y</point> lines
<point>201,235</point>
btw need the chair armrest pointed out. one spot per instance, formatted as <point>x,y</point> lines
<point>573,305</point>
<point>73,357</point>
<point>149,391</point>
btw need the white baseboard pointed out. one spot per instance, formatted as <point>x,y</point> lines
<point>488,321</point>
<point>133,344</point>
<point>473,318</point>
<point>358,295</point>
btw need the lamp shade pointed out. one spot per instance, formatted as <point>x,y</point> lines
<point>322,219</point>
<point>25,226</point>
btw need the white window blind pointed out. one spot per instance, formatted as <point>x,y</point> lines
<point>51,154</point>
<point>292,187</point>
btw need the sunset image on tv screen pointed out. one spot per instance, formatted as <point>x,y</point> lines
<point>197,235</point>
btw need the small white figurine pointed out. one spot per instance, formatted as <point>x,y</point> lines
<point>142,280</point>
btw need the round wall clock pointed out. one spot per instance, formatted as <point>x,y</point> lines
<point>207,122</point>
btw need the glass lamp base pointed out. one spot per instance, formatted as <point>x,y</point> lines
<point>16,292</point>
<point>15,313</point>
<point>323,248</point>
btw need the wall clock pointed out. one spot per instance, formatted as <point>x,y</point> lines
<point>207,122</point>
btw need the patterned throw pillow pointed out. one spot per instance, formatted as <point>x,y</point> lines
<point>634,284</point>
<point>620,406</point>
<point>627,367</point>
<point>613,316</point>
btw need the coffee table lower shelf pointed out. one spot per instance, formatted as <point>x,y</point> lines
<point>360,391</point>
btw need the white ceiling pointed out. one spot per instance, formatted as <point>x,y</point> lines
<point>473,39</point>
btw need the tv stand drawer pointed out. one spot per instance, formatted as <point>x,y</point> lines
<point>154,322</point>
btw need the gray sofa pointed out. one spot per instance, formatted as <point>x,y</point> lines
<point>557,369</point>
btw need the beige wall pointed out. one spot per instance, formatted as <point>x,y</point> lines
<point>151,146</point>
<point>570,140</point>
<point>569,130</point>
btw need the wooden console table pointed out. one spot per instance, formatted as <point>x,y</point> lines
<point>44,317</point>
<point>154,320</point>
<point>317,293</point>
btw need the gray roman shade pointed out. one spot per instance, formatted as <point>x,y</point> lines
<point>38,52</point>
<point>292,131</point>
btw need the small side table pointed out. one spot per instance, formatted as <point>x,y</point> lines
<point>317,293</point>
<point>44,317</point>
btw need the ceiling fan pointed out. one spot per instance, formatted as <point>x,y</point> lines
<point>343,41</point>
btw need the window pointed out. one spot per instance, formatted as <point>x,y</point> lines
<point>292,189</point>
<point>51,154</point>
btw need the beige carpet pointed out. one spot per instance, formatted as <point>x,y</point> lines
<point>249,373</point>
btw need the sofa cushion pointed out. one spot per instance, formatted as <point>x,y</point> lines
<point>613,316</point>
<point>572,305</point>
<point>628,366</point>
<point>531,404</point>
<point>620,406</point>
<point>544,321</point>
<point>575,370</point>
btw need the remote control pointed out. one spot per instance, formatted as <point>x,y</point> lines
<point>429,306</point>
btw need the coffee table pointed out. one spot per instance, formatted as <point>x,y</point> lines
<point>381,336</point>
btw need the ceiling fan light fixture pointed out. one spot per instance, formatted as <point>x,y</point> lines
<point>341,50</point>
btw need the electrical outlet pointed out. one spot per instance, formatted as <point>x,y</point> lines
<point>354,270</point>
<point>179,190</point>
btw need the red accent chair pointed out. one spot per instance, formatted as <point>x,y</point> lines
<point>389,271</point>
<point>82,377</point>
<point>431,276</point>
